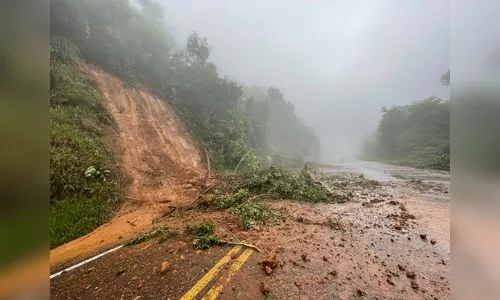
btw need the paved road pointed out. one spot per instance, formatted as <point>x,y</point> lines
<point>385,172</point>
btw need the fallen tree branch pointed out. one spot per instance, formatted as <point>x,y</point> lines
<point>200,194</point>
<point>242,244</point>
<point>208,166</point>
<point>242,160</point>
<point>237,239</point>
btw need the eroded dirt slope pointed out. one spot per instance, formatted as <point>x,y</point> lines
<point>157,154</point>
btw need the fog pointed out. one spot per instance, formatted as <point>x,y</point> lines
<point>338,62</point>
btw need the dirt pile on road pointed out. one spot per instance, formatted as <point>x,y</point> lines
<point>154,150</point>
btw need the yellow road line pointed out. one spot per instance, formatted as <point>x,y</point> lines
<point>215,291</point>
<point>196,289</point>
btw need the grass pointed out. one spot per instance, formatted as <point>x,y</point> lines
<point>84,178</point>
<point>200,229</point>
<point>204,235</point>
<point>160,231</point>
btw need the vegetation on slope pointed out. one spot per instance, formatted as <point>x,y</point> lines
<point>83,174</point>
<point>128,38</point>
<point>417,135</point>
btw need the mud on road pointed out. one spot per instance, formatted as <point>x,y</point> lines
<point>391,241</point>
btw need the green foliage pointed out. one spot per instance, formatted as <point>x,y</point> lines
<point>83,174</point>
<point>160,231</point>
<point>204,233</point>
<point>223,201</point>
<point>201,229</point>
<point>244,193</point>
<point>253,214</point>
<point>206,241</point>
<point>276,182</point>
<point>417,135</point>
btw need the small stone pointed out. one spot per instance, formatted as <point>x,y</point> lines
<point>414,285</point>
<point>410,274</point>
<point>198,252</point>
<point>264,288</point>
<point>360,292</point>
<point>389,281</point>
<point>325,258</point>
<point>89,270</point>
<point>401,267</point>
<point>165,266</point>
<point>433,241</point>
<point>397,227</point>
<point>423,236</point>
<point>181,257</point>
<point>305,257</point>
<point>233,255</point>
<point>333,273</point>
<point>297,283</point>
<point>268,270</point>
<point>120,272</point>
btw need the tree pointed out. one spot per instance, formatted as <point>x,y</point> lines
<point>197,50</point>
<point>445,78</point>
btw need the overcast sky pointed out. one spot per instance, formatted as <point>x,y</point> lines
<point>338,62</point>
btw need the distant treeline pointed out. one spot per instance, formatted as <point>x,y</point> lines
<point>417,134</point>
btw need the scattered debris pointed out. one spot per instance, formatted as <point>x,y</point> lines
<point>165,266</point>
<point>268,270</point>
<point>145,237</point>
<point>270,261</point>
<point>120,272</point>
<point>264,288</point>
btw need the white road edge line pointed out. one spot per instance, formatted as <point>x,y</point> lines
<point>85,261</point>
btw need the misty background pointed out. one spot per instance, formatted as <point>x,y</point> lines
<point>338,62</point>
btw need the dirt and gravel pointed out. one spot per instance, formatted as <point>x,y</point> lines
<point>387,243</point>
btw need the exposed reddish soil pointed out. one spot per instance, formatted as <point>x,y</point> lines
<point>154,151</point>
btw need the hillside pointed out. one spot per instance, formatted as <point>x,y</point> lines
<point>152,151</point>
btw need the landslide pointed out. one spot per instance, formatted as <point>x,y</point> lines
<point>154,150</point>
